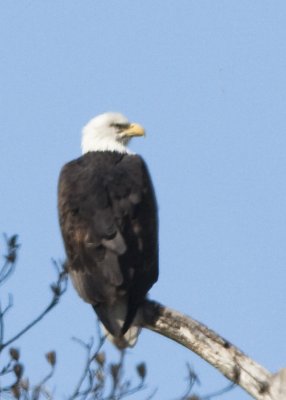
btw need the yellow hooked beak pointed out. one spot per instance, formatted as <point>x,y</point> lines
<point>133,130</point>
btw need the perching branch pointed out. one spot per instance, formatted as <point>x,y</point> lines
<point>220,353</point>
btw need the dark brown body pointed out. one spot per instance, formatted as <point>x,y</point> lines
<point>108,219</point>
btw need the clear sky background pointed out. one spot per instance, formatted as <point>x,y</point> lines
<point>207,80</point>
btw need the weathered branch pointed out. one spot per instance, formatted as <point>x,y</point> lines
<point>220,353</point>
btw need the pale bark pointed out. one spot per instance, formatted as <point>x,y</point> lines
<point>219,352</point>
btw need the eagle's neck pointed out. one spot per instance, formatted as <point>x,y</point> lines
<point>102,144</point>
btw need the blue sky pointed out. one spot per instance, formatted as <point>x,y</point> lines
<point>207,80</point>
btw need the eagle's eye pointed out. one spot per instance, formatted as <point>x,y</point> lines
<point>120,126</point>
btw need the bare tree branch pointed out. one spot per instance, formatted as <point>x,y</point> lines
<point>105,381</point>
<point>58,288</point>
<point>90,357</point>
<point>10,258</point>
<point>41,387</point>
<point>2,314</point>
<point>220,353</point>
<point>98,377</point>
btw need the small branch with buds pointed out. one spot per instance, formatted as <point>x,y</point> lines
<point>58,289</point>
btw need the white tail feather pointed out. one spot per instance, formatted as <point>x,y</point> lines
<point>129,339</point>
<point>113,321</point>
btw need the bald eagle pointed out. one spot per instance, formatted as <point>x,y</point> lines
<point>108,219</point>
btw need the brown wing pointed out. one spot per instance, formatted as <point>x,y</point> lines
<point>108,218</point>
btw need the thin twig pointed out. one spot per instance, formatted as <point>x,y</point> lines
<point>220,392</point>
<point>77,391</point>
<point>40,387</point>
<point>10,258</point>
<point>58,289</point>
<point>2,314</point>
<point>192,380</point>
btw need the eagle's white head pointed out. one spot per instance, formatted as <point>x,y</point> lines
<point>110,131</point>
